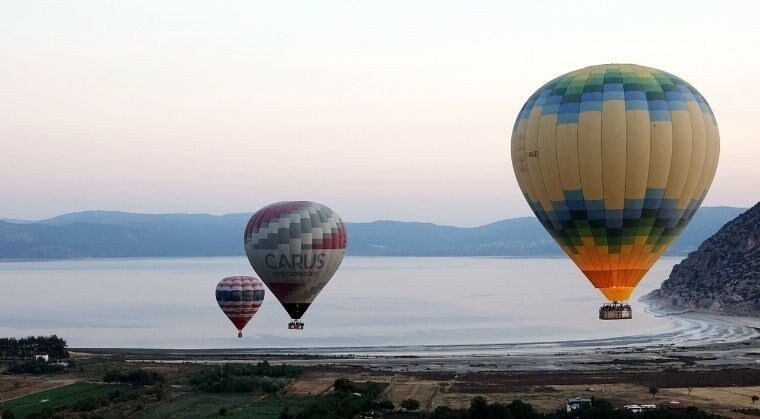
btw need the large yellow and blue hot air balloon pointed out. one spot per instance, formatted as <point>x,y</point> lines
<point>614,160</point>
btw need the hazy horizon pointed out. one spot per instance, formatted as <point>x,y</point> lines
<point>393,110</point>
<point>530,216</point>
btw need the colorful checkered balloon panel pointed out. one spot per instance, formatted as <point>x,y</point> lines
<point>614,160</point>
<point>295,247</point>
<point>240,297</point>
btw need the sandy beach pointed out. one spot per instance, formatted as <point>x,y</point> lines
<point>700,339</point>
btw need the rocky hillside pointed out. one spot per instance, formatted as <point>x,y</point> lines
<point>722,275</point>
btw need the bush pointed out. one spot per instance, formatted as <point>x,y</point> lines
<point>479,407</point>
<point>36,367</point>
<point>157,390</point>
<point>410,404</point>
<point>445,412</point>
<point>386,405</point>
<point>343,384</point>
<point>85,405</point>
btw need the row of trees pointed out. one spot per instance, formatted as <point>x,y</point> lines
<point>601,409</point>
<point>234,378</point>
<point>28,347</point>
<point>350,398</point>
<point>33,366</point>
<point>137,378</point>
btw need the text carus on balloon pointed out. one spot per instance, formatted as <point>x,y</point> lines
<point>297,261</point>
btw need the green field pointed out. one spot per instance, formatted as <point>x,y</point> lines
<point>239,406</point>
<point>59,397</point>
<point>190,405</point>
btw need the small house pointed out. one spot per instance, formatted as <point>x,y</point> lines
<point>576,403</point>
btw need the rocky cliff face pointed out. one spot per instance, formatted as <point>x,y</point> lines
<point>722,275</point>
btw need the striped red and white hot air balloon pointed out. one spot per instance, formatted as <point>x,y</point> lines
<point>295,247</point>
<point>240,297</point>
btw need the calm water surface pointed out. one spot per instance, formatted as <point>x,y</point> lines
<point>169,303</point>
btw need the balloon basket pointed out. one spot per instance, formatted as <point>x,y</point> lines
<point>240,334</point>
<point>615,311</point>
<point>295,325</point>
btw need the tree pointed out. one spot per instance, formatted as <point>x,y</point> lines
<point>410,404</point>
<point>343,384</point>
<point>386,405</point>
<point>520,409</point>
<point>445,412</point>
<point>284,414</point>
<point>755,398</point>
<point>478,407</point>
<point>653,391</point>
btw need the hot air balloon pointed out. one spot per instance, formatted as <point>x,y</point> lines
<point>614,160</point>
<point>240,297</point>
<point>295,247</point>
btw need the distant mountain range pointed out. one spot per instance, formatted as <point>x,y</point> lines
<point>111,234</point>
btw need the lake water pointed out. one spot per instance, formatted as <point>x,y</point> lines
<point>169,303</point>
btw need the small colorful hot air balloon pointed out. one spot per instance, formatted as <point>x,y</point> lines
<point>614,160</point>
<point>240,297</point>
<point>295,247</point>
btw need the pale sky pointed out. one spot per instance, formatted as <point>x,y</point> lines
<point>379,109</point>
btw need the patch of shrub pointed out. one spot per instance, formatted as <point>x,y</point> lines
<point>138,377</point>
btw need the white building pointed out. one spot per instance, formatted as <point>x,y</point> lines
<point>576,403</point>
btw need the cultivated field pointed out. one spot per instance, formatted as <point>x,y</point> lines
<point>60,397</point>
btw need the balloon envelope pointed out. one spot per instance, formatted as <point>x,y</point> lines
<point>295,247</point>
<point>614,160</point>
<point>240,297</point>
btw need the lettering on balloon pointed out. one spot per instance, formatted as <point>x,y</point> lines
<point>297,264</point>
<point>533,153</point>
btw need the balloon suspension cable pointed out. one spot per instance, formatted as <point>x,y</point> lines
<point>295,324</point>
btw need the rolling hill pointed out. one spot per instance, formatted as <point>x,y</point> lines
<point>112,234</point>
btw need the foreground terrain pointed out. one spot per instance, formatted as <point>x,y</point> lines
<point>198,384</point>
